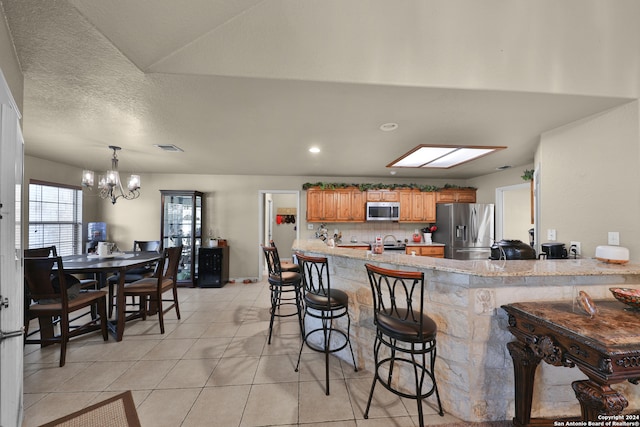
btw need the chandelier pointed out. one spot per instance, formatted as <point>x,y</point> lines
<point>109,185</point>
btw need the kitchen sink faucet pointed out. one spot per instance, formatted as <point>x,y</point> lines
<point>389,235</point>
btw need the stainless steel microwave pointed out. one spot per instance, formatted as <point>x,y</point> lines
<point>383,211</point>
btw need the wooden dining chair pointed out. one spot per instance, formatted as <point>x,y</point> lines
<point>150,290</point>
<point>135,273</point>
<point>71,280</point>
<point>49,303</point>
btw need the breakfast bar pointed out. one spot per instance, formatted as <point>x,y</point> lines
<point>474,368</point>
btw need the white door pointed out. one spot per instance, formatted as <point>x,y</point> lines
<point>11,284</point>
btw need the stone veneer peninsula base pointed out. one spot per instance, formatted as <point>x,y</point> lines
<point>474,369</point>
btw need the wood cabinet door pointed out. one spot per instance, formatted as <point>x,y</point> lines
<point>428,207</point>
<point>417,206</point>
<point>456,195</point>
<point>382,196</point>
<point>343,200</point>
<point>406,205</point>
<point>445,196</point>
<point>330,208</point>
<point>342,205</point>
<point>432,251</point>
<point>466,196</point>
<point>357,206</point>
<point>315,205</point>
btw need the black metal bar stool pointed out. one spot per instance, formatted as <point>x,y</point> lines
<point>403,327</point>
<point>326,304</point>
<point>285,287</point>
<point>286,265</point>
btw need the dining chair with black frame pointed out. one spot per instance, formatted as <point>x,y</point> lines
<point>50,302</point>
<point>150,290</point>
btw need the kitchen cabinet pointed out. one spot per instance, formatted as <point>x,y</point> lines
<point>417,206</point>
<point>456,195</point>
<point>432,251</point>
<point>213,267</point>
<point>359,247</point>
<point>181,224</point>
<point>383,196</point>
<point>341,205</point>
<point>350,205</point>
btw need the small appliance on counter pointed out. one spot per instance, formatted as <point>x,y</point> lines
<point>612,254</point>
<point>554,251</point>
<point>512,249</point>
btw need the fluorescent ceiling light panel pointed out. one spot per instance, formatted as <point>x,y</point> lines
<point>422,156</point>
<point>441,156</point>
<point>169,147</point>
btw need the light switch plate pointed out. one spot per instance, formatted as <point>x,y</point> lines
<point>309,226</point>
<point>614,238</point>
<point>551,234</point>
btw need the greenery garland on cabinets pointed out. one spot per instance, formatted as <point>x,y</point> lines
<point>380,186</point>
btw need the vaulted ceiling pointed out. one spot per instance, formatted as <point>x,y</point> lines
<point>247,86</point>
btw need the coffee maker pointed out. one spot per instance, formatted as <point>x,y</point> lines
<point>554,251</point>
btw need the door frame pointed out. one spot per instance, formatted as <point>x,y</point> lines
<point>262,219</point>
<point>499,213</point>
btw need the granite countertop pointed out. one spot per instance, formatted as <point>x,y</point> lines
<point>484,268</point>
<point>347,244</point>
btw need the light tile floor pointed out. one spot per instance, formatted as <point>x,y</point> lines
<point>212,367</point>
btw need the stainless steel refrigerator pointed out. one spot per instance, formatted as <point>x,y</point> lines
<point>466,229</point>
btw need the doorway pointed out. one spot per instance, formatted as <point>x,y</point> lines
<point>513,212</point>
<point>278,221</point>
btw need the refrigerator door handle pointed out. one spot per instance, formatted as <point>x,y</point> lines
<point>474,220</point>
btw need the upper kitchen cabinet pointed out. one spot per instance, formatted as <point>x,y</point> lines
<point>383,196</point>
<point>417,206</point>
<point>181,222</point>
<point>456,195</point>
<point>340,205</point>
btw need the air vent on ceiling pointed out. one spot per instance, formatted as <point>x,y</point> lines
<point>168,147</point>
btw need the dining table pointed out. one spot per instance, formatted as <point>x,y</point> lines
<point>103,267</point>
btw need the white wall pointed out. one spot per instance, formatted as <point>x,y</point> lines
<point>487,184</point>
<point>517,218</point>
<point>589,177</point>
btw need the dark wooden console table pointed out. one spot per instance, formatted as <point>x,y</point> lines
<point>606,349</point>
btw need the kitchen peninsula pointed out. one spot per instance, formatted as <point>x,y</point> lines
<point>474,369</point>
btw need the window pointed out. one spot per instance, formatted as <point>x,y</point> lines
<point>55,217</point>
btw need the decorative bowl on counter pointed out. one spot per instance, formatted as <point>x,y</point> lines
<point>629,296</point>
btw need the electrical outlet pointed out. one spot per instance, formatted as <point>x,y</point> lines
<point>309,226</point>
<point>551,234</point>
<point>614,238</point>
<point>576,246</point>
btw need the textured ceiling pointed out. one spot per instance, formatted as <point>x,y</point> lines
<point>247,86</point>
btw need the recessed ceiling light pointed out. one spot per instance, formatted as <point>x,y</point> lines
<point>314,150</point>
<point>441,156</point>
<point>388,127</point>
<point>393,172</point>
